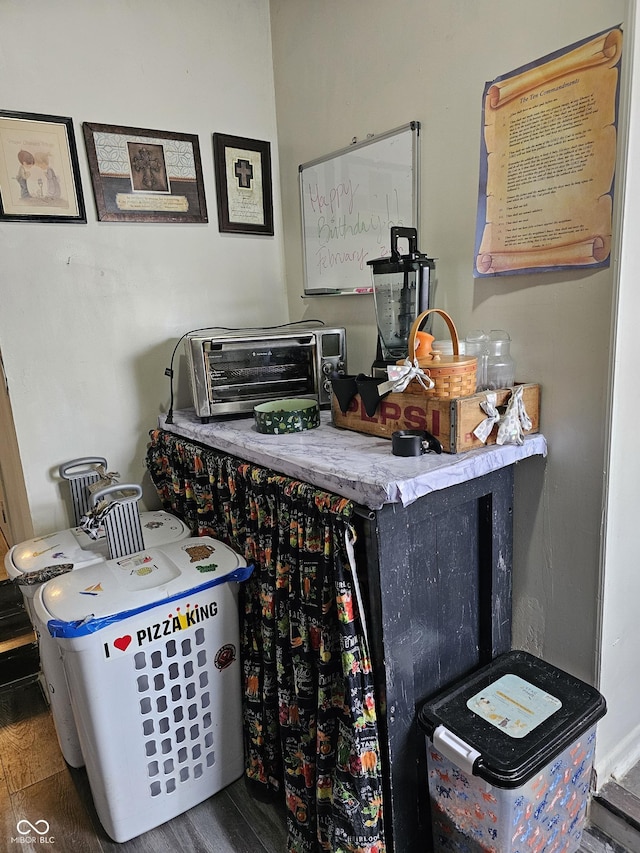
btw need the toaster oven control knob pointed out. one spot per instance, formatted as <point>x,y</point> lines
<point>327,386</point>
<point>327,367</point>
<point>340,367</point>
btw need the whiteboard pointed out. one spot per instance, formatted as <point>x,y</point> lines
<point>349,202</point>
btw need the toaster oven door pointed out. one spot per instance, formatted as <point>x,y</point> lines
<point>244,373</point>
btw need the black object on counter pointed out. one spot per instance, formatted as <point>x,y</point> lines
<point>414,442</point>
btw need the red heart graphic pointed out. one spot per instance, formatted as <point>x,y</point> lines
<point>122,642</point>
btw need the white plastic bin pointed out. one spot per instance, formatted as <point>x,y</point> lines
<point>33,562</point>
<point>509,757</point>
<point>152,662</point>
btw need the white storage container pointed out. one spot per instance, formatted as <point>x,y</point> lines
<point>32,562</point>
<point>509,757</point>
<point>36,560</point>
<point>151,656</point>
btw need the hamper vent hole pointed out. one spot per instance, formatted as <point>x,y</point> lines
<point>177,673</point>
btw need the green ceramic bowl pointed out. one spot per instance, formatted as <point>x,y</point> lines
<point>281,416</point>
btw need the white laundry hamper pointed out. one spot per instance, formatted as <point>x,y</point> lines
<point>150,648</point>
<point>36,560</point>
<point>33,562</point>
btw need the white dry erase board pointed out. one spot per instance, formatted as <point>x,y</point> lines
<point>349,202</point>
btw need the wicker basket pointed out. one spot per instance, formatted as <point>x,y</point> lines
<point>454,376</point>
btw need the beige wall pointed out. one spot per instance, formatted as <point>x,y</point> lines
<point>345,68</point>
<point>89,314</point>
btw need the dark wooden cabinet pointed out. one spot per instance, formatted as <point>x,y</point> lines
<point>437,578</point>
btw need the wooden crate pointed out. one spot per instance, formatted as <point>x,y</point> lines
<point>450,420</point>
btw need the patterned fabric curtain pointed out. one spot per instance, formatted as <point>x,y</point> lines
<point>309,710</point>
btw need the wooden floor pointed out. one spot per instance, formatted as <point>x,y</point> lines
<point>37,785</point>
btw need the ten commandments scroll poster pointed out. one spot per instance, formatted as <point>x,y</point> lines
<point>547,164</point>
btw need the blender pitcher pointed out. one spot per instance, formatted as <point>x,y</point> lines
<point>401,291</point>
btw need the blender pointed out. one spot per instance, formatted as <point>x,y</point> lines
<point>401,291</point>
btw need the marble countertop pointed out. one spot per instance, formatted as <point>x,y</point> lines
<point>357,466</point>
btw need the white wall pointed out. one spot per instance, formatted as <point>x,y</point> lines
<point>89,314</point>
<point>619,733</point>
<point>345,69</point>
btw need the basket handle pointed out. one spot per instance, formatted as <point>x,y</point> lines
<point>419,322</point>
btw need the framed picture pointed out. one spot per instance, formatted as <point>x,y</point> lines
<point>145,175</point>
<point>243,184</point>
<point>39,175</point>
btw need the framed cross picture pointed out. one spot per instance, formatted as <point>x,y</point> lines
<point>243,184</point>
<point>142,175</point>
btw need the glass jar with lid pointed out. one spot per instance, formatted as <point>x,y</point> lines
<point>476,343</point>
<point>501,368</point>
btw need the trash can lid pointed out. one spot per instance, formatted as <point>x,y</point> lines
<point>82,602</point>
<point>75,546</point>
<point>515,715</point>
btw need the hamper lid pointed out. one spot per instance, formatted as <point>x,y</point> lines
<point>65,546</point>
<point>75,546</point>
<point>83,602</point>
<point>160,528</point>
<point>512,717</point>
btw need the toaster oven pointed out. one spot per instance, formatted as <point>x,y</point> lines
<point>233,371</point>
